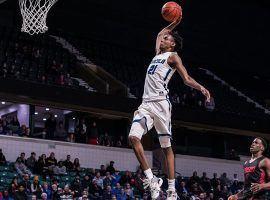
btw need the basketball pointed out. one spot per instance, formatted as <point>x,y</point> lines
<point>171,11</point>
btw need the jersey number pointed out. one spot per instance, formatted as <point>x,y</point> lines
<point>152,69</point>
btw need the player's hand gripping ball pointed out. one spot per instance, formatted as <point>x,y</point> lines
<point>171,11</point>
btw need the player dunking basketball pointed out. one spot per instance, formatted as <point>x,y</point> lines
<point>155,109</point>
<point>257,173</point>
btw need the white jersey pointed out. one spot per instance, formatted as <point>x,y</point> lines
<point>157,78</point>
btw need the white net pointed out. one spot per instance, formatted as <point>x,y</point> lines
<point>34,14</point>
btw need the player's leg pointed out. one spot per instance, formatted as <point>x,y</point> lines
<point>162,123</point>
<point>142,122</point>
<point>139,152</point>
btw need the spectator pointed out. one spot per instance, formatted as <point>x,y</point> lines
<point>20,194</point>
<point>129,191</point>
<point>224,180</point>
<point>83,197</point>
<point>110,168</point>
<point>27,132</point>
<point>138,183</point>
<point>36,188</point>
<point>215,181</point>
<point>68,163</point>
<point>21,168</point>
<point>47,190</point>
<point>76,185</point>
<point>218,192</point>
<point>205,182</point>
<point>41,165</point>
<point>86,182</point>
<point>93,134</point>
<point>50,126</point>
<point>183,192</point>
<point>55,195</point>
<point>51,163</point>
<point>22,158</point>
<point>77,165</point>
<point>102,170</point>
<point>13,186</point>
<point>6,195</point>
<point>60,132</point>
<point>225,192</point>
<point>125,178</point>
<point>81,132</point>
<point>123,195</point>
<point>107,180</point>
<point>60,169</point>
<point>105,140</point>
<point>95,190</point>
<point>3,160</point>
<point>31,161</point>
<point>22,131</point>
<point>107,194</point>
<point>26,183</point>
<point>66,195</point>
<point>116,177</point>
<point>98,180</point>
<point>194,178</point>
<point>44,196</point>
<point>235,178</point>
<point>117,190</point>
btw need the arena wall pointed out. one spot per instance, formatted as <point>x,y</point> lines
<point>90,156</point>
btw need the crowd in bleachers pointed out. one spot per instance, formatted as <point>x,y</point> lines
<point>49,178</point>
<point>37,59</point>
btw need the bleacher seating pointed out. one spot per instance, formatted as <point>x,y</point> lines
<point>32,58</point>
<point>129,66</point>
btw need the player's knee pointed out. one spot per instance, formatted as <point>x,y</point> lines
<point>165,142</point>
<point>133,139</point>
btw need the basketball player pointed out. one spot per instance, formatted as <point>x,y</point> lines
<point>155,109</point>
<point>257,173</point>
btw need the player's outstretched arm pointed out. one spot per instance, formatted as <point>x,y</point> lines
<point>176,61</point>
<point>164,31</point>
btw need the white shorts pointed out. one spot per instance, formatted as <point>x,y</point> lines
<point>154,113</point>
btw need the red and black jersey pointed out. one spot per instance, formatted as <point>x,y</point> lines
<point>253,174</point>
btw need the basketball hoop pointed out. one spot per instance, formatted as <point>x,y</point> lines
<point>34,15</point>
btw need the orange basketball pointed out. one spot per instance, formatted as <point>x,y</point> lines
<point>171,11</point>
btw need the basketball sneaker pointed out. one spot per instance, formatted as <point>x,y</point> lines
<point>154,184</point>
<point>172,195</point>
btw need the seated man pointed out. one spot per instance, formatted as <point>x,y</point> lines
<point>21,168</point>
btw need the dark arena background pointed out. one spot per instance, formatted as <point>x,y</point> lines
<point>73,91</point>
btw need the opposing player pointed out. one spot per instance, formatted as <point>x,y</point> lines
<point>257,173</point>
<point>155,109</point>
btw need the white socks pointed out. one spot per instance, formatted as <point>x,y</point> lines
<point>171,184</point>
<point>148,173</point>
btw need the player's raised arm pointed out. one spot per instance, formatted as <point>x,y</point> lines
<point>164,31</point>
<point>176,61</point>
